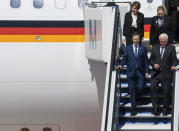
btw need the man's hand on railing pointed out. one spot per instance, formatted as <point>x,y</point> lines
<point>173,68</point>
<point>118,67</point>
<point>156,66</point>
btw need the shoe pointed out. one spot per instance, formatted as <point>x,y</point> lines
<point>165,112</point>
<point>155,111</point>
<point>133,112</point>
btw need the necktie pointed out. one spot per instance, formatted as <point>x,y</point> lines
<point>161,53</point>
<point>136,51</point>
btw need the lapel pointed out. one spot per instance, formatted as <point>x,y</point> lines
<point>130,18</point>
<point>164,21</point>
<point>132,50</point>
<point>156,22</point>
<point>165,52</point>
<point>139,51</point>
<point>158,52</point>
<point>138,18</point>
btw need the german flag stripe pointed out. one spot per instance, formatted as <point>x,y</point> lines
<point>42,38</point>
<point>146,35</point>
<point>30,23</point>
<point>40,31</point>
<point>147,28</point>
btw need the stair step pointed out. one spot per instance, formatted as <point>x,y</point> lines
<point>147,115</point>
<point>124,76</point>
<point>149,105</point>
<point>125,85</point>
<point>145,127</point>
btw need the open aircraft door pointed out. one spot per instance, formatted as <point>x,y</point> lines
<point>102,41</point>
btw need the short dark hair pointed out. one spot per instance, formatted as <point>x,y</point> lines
<point>136,4</point>
<point>135,33</point>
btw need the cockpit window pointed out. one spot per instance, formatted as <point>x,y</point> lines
<point>38,3</point>
<point>81,2</point>
<point>15,3</point>
<point>60,4</point>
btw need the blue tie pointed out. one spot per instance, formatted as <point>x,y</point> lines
<point>136,51</point>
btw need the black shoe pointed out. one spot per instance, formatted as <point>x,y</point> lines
<point>165,112</point>
<point>155,111</point>
<point>133,112</point>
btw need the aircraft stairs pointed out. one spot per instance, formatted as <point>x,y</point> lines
<point>144,120</point>
<point>116,105</point>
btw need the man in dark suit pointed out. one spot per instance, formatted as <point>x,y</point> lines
<point>160,24</point>
<point>173,10</point>
<point>135,56</point>
<point>163,60</point>
<point>133,22</point>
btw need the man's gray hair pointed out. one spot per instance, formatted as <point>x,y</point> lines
<point>163,35</point>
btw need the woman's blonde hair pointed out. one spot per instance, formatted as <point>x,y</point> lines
<point>162,7</point>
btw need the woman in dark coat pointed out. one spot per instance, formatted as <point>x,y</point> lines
<point>160,24</point>
<point>133,22</point>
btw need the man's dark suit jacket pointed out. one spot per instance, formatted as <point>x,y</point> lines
<point>128,24</point>
<point>155,31</point>
<point>130,59</point>
<point>171,4</point>
<point>169,59</point>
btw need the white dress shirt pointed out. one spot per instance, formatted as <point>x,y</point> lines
<point>135,47</point>
<point>134,20</point>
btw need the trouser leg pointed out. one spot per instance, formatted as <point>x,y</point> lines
<point>132,91</point>
<point>154,89</point>
<point>140,83</point>
<point>166,88</point>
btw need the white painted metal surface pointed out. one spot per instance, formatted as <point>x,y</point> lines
<point>176,104</point>
<point>50,83</point>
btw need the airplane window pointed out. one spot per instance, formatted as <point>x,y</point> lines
<point>47,129</point>
<point>38,3</point>
<point>15,3</point>
<point>24,129</point>
<point>81,2</point>
<point>60,4</point>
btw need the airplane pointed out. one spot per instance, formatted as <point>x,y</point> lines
<point>46,82</point>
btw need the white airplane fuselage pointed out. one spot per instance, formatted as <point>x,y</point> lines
<point>45,78</point>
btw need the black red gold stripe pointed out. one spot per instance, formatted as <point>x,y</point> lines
<point>41,31</point>
<point>47,31</point>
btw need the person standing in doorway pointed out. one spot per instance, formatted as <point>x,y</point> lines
<point>133,22</point>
